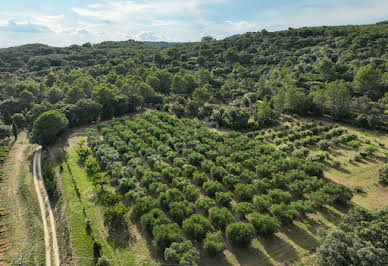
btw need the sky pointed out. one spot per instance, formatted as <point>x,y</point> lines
<point>62,23</point>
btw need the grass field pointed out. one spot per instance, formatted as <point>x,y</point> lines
<point>362,174</point>
<point>22,231</point>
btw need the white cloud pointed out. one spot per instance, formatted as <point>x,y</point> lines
<point>174,20</point>
<point>316,13</point>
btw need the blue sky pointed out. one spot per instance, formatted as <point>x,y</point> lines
<point>62,23</point>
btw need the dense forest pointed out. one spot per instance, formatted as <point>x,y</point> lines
<point>241,82</point>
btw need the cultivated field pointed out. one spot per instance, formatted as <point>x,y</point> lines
<point>180,168</point>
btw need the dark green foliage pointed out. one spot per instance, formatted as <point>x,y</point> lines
<point>191,192</point>
<point>338,192</point>
<point>284,213</point>
<point>5,131</point>
<point>224,198</point>
<point>47,126</point>
<point>341,248</point>
<point>50,180</point>
<point>244,192</point>
<point>115,215</point>
<point>172,195</point>
<point>218,172</point>
<point>183,253</point>
<point>153,218</point>
<point>196,226</point>
<point>180,210</point>
<point>166,234</point>
<point>265,225</point>
<point>205,203</point>
<point>220,217</point>
<point>199,178</point>
<point>144,205</point>
<point>19,120</point>
<point>211,187</point>
<point>240,234</point>
<point>263,202</point>
<point>265,115</point>
<point>243,208</point>
<point>213,244</point>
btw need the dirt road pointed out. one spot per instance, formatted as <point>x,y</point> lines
<point>45,209</point>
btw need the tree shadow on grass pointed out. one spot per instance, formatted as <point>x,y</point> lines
<point>332,216</point>
<point>154,254</point>
<point>219,260</point>
<point>250,256</point>
<point>120,236</point>
<point>369,159</point>
<point>342,170</point>
<point>300,237</point>
<point>380,158</point>
<point>278,249</point>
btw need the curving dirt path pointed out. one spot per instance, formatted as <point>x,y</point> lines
<point>45,207</point>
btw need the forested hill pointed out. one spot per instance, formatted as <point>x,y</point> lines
<point>336,71</point>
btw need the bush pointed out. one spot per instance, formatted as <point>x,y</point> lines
<point>230,181</point>
<point>183,253</point>
<point>115,215</point>
<point>180,210</point>
<point>224,198</point>
<point>211,187</point>
<point>166,234</point>
<point>153,218</point>
<point>284,213</point>
<point>300,153</point>
<point>199,178</point>
<point>265,225</point>
<point>213,244</point>
<point>278,195</point>
<point>220,217</point>
<point>240,234</point>
<point>355,144</point>
<point>205,203</point>
<point>191,192</point>
<point>144,205</point>
<point>263,202</point>
<point>383,175</point>
<point>196,226</point>
<point>338,192</point>
<point>370,149</point>
<point>244,192</point>
<point>188,170</point>
<point>243,208</point>
<point>218,172</point>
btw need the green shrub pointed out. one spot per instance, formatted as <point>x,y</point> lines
<point>240,234</point>
<point>196,226</point>
<point>220,217</point>
<point>265,225</point>
<point>166,234</point>
<point>211,187</point>
<point>224,198</point>
<point>183,253</point>
<point>213,244</point>
<point>355,144</point>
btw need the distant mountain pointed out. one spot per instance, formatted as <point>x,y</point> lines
<point>160,44</point>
